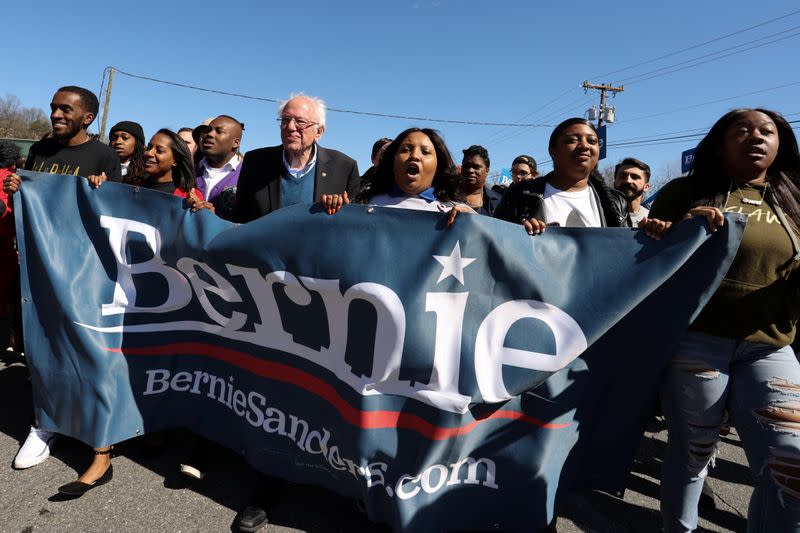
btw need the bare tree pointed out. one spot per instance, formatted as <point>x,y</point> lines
<point>666,172</point>
<point>607,171</point>
<point>18,121</point>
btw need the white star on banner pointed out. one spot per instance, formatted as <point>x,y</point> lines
<point>453,264</point>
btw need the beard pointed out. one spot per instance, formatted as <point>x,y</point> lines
<point>631,194</point>
<point>69,133</point>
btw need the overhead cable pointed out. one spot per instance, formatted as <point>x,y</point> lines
<point>335,109</point>
<point>700,45</point>
<point>711,102</point>
<point>694,62</point>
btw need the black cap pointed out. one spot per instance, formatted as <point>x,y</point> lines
<point>129,127</point>
<point>525,159</point>
<point>199,131</point>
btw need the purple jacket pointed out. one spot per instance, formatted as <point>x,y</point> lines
<point>223,194</point>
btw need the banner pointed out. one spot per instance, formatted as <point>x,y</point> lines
<point>687,158</point>
<point>504,177</point>
<point>453,377</point>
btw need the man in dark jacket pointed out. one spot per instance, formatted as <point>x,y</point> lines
<point>298,170</point>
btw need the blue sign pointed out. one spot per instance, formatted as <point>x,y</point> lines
<point>444,375</point>
<point>504,178</point>
<point>601,136</point>
<point>687,157</point>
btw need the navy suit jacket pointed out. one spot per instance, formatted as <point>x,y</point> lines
<point>258,191</point>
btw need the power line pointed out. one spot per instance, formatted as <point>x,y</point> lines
<point>603,88</point>
<point>500,133</point>
<point>699,45</point>
<point>644,141</point>
<point>544,105</point>
<point>583,101</point>
<point>575,104</point>
<point>657,141</point>
<point>580,102</point>
<point>659,135</point>
<point>679,138</point>
<point>712,102</point>
<point>683,65</point>
<point>334,109</point>
<point>505,135</point>
<point>672,140</point>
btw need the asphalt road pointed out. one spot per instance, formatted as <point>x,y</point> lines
<point>148,494</point>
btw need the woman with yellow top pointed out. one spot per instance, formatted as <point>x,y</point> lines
<point>736,356</point>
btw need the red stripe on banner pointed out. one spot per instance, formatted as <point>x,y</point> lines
<point>318,387</point>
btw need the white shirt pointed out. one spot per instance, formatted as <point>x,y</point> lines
<point>571,209</point>
<point>212,176</point>
<point>409,202</point>
<point>638,215</point>
<point>298,173</point>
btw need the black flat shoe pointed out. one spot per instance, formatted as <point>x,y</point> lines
<point>252,519</point>
<point>79,488</point>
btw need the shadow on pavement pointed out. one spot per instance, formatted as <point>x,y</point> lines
<point>603,512</point>
<point>229,481</point>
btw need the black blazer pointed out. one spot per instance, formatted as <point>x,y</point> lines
<point>258,190</point>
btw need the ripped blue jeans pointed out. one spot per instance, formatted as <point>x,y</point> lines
<point>759,386</point>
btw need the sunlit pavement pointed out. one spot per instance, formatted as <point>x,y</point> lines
<point>148,494</point>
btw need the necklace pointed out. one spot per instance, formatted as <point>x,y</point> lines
<point>748,201</point>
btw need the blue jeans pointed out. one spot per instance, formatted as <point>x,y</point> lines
<point>759,386</point>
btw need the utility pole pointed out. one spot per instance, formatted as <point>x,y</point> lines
<point>104,120</point>
<point>602,88</point>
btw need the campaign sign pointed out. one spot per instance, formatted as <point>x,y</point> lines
<point>453,377</point>
<point>687,158</point>
<point>504,178</point>
<point>601,136</point>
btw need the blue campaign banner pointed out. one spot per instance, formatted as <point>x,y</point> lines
<point>454,378</point>
<point>687,158</point>
<point>504,178</point>
<point>601,135</point>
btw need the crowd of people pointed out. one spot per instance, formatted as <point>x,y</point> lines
<point>734,365</point>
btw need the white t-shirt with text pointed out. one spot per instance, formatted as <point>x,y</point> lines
<point>571,209</point>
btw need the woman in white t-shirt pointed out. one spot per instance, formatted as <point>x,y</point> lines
<point>416,172</point>
<point>573,194</point>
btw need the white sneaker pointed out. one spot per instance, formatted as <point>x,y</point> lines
<point>192,471</point>
<point>36,448</point>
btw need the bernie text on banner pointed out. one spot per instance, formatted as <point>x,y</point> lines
<point>452,377</point>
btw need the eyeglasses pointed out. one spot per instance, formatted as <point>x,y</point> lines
<point>520,173</point>
<point>299,123</point>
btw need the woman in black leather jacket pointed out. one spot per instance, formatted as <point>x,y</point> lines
<point>573,194</point>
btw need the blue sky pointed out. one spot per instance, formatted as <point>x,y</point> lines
<point>507,62</point>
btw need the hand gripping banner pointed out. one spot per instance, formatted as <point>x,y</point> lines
<point>453,377</point>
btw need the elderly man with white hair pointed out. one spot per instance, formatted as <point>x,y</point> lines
<point>297,171</point>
